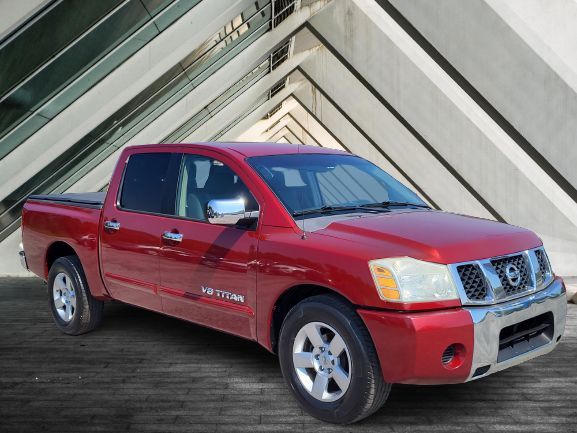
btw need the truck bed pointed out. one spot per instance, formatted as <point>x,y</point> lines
<point>93,200</point>
<point>51,222</point>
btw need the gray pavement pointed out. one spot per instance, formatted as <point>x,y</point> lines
<point>141,371</point>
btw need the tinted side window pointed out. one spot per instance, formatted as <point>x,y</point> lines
<point>203,179</point>
<point>149,183</point>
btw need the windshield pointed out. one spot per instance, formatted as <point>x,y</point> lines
<point>313,184</point>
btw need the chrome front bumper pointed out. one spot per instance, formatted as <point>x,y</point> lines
<point>490,320</point>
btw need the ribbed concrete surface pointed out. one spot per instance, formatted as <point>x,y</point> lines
<point>144,372</point>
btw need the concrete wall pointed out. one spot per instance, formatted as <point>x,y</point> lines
<point>479,151</point>
<point>520,57</point>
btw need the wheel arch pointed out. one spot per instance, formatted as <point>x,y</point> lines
<point>55,251</point>
<point>291,297</point>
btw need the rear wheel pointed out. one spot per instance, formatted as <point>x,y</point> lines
<point>329,361</point>
<point>73,308</point>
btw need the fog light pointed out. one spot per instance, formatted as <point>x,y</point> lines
<point>448,355</point>
<point>453,356</point>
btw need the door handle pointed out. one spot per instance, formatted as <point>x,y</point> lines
<point>111,226</point>
<point>172,237</point>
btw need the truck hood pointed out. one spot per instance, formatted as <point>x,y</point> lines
<point>435,236</point>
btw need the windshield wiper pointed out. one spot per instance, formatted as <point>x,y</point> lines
<point>329,209</point>
<point>389,203</point>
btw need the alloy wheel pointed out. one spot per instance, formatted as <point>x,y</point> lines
<point>64,297</point>
<point>322,362</point>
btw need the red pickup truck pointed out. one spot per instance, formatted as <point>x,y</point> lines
<point>316,254</point>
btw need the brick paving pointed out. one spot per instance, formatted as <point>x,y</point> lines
<point>144,372</point>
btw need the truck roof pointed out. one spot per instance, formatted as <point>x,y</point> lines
<point>249,149</point>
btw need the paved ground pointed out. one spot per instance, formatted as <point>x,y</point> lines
<point>144,372</point>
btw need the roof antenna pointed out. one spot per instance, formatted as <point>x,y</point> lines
<point>304,233</point>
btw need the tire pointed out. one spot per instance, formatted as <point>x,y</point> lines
<point>355,368</point>
<point>73,308</point>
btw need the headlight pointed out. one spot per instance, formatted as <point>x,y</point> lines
<point>405,279</point>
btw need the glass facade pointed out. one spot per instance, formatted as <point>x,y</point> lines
<point>138,113</point>
<point>40,43</point>
<point>67,51</point>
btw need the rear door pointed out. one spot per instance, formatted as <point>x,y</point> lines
<point>132,225</point>
<point>208,275</point>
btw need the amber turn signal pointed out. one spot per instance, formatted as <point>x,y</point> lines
<point>385,282</point>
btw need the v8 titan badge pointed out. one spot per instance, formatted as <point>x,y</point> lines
<point>223,294</point>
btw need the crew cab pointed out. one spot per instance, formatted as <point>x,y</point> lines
<point>316,254</point>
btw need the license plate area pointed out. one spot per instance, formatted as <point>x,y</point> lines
<point>522,337</point>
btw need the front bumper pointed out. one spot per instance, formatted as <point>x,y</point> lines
<point>410,346</point>
<point>489,321</point>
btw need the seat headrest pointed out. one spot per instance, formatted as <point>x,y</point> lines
<point>219,177</point>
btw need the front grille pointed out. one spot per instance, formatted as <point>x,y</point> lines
<point>510,286</point>
<point>473,281</point>
<point>499,279</point>
<point>542,260</point>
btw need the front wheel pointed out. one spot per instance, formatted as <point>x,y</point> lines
<point>73,308</point>
<point>329,361</point>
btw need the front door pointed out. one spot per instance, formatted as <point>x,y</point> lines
<point>208,272</point>
<point>130,239</point>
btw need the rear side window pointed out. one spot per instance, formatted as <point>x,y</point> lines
<point>204,179</point>
<point>150,183</point>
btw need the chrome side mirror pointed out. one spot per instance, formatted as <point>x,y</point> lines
<point>225,211</point>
